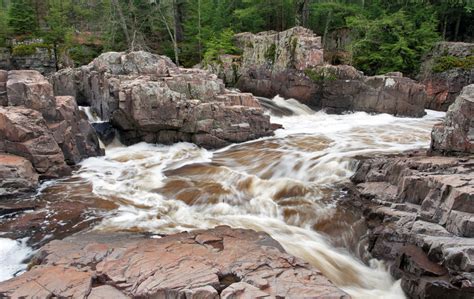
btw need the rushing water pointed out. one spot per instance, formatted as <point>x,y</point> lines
<point>283,185</point>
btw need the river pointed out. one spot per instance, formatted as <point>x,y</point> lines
<point>287,185</point>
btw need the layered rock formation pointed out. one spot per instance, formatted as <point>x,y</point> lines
<point>28,55</point>
<point>444,83</point>
<point>216,263</point>
<point>420,208</point>
<point>420,211</point>
<point>456,133</point>
<point>290,63</point>
<point>147,98</point>
<point>50,132</point>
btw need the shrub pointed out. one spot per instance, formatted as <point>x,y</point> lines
<point>445,63</point>
<point>29,49</point>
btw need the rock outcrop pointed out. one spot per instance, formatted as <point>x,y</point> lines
<point>18,175</point>
<point>290,63</point>
<point>420,211</point>
<point>28,55</point>
<point>456,133</point>
<point>444,75</point>
<point>216,263</point>
<point>147,98</point>
<point>50,132</point>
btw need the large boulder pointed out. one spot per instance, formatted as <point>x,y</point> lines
<point>456,133</point>
<point>290,63</point>
<point>147,98</point>
<point>24,132</point>
<point>420,212</point>
<point>215,263</point>
<point>445,71</point>
<point>50,132</point>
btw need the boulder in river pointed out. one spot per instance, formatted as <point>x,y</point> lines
<point>420,211</point>
<point>148,98</point>
<point>456,133</point>
<point>290,64</point>
<point>220,262</point>
<point>17,175</point>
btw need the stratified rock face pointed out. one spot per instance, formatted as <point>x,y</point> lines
<point>456,133</point>
<point>342,88</point>
<point>443,88</point>
<point>48,131</point>
<point>18,175</point>
<point>147,98</point>
<point>421,214</point>
<point>216,263</point>
<point>290,63</point>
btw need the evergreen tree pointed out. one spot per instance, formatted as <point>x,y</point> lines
<point>22,17</point>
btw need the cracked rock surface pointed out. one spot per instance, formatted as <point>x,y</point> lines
<point>216,263</point>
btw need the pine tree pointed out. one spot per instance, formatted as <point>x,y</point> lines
<point>21,17</point>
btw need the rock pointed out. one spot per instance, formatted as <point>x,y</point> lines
<point>24,132</point>
<point>443,87</point>
<point>105,131</point>
<point>17,175</point>
<point>147,98</point>
<point>199,264</point>
<point>3,88</point>
<point>48,131</point>
<point>419,210</point>
<point>456,133</point>
<point>42,58</point>
<point>31,90</point>
<point>290,64</point>
<point>73,132</point>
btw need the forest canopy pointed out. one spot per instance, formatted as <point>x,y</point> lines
<point>385,35</point>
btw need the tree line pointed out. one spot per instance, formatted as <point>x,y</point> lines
<point>385,35</point>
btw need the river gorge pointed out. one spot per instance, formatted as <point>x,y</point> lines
<point>287,185</point>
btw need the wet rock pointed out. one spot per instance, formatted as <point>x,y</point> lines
<point>3,88</point>
<point>24,132</point>
<point>443,87</point>
<point>420,213</point>
<point>456,133</point>
<point>105,131</point>
<point>290,64</point>
<point>174,266</point>
<point>17,175</point>
<point>147,98</point>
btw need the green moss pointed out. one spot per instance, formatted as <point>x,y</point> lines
<point>320,75</point>
<point>26,50</point>
<point>294,43</point>
<point>445,63</point>
<point>271,53</point>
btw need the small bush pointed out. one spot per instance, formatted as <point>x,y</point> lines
<point>82,55</point>
<point>445,63</point>
<point>271,53</point>
<point>26,50</point>
<point>321,75</point>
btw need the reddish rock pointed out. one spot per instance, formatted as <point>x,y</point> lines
<point>17,175</point>
<point>147,98</point>
<point>420,211</point>
<point>24,132</point>
<point>3,88</point>
<point>456,133</point>
<point>200,264</point>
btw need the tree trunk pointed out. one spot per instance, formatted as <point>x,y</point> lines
<point>456,30</point>
<point>326,28</point>
<point>199,31</point>
<point>123,23</point>
<point>445,24</point>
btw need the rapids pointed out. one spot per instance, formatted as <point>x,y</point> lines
<point>285,185</point>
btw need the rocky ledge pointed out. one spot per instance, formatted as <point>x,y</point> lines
<point>290,63</point>
<point>420,208</point>
<point>216,263</point>
<point>148,98</point>
<point>41,135</point>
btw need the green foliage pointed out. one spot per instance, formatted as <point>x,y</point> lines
<point>392,42</point>
<point>331,14</point>
<point>320,75</point>
<point>270,54</point>
<point>21,17</point>
<point>4,28</point>
<point>28,49</point>
<point>220,44</point>
<point>82,55</point>
<point>445,63</point>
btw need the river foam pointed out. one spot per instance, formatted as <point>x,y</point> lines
<point>13,253</point>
